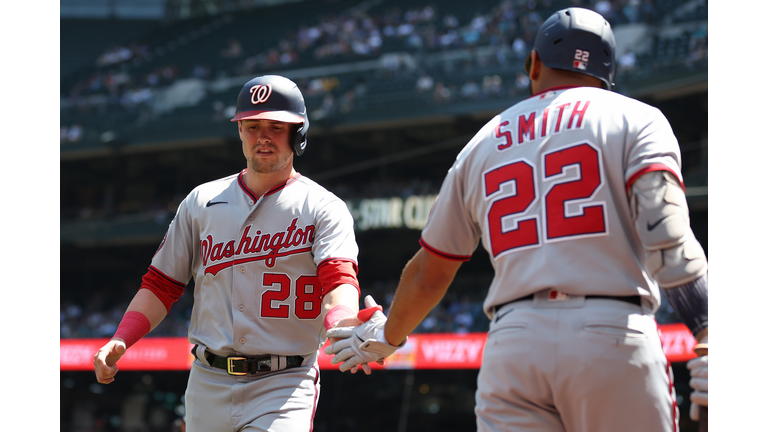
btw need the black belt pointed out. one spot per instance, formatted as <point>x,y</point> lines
<point>635,300</point>
<point>247,365</point>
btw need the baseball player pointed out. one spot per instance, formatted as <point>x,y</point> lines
<point>274,260</point>
<point>577,196</point>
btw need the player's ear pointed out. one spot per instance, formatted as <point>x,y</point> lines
<point>533,65</point>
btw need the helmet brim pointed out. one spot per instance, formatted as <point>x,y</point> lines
<point>282,116</point>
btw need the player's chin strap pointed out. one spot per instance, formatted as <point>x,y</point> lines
<point>364,343</point>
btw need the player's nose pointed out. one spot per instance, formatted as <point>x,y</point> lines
<point>263,136</point>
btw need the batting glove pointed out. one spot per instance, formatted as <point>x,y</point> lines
<point>699,368</point>
<point>364,343</point>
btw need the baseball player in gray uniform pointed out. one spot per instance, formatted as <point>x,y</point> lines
<point>274,260</point>
<point>576,193</point>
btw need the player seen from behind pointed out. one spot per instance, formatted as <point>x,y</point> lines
<point>577,195</point>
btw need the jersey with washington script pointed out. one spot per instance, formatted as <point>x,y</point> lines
<point>254,261</point>
<point>544,186</point>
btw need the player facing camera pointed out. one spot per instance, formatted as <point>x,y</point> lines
<point>273,257</point>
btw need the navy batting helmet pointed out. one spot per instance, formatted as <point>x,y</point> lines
<point>273,97</point>
<point>579,40</point>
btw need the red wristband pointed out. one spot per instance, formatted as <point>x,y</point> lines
<point>335,315</point>
<point>133,327</point>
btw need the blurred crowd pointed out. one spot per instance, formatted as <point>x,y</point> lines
<point>71,133</point>
<point>508,28</point>
<point>424,28</point>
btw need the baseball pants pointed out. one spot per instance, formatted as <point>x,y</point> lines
<point>578,365</point>
<point>283,401</point>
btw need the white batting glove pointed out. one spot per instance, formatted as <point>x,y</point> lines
<point>699,368</point>
<point>361,344</point>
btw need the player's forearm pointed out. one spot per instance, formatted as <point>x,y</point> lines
<point>690,301</point>
<point>341,305</point>
<point>343,295</point>
<point>147,303</point>
<point>411,305</point>
<point>423,284</point>
<point>144,313</point>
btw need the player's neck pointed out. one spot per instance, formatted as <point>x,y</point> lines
<point>260,183</point>
<point>550,78</point>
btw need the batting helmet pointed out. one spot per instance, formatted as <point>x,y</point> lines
<point>579,40</point>
<point>273,97</point>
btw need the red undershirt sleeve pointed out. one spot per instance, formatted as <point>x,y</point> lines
<point>333,273</point>
<point>166,289</point>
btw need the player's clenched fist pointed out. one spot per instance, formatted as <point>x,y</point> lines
<point>361,344</point>
<point>105,359</point>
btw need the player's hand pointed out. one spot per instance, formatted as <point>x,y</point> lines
<point>104,361</point>
<point>362,344</point>
<point>699,368</point>
<point>355,320</point>
<point>351,321</point>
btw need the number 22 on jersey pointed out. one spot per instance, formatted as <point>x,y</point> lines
<point>513,208</point>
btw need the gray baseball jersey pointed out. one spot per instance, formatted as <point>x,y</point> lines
<point>544,184</point>
<point>254,261</point>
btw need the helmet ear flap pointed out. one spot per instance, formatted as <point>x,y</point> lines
<point>299,139</point>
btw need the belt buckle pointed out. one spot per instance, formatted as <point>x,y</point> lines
<point>230,365</point>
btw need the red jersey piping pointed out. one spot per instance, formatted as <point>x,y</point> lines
<point>442,254</point>
<point>650,168</point>
<point>279,187</point>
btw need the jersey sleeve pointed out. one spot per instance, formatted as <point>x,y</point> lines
<point>654,148</point>
<point>334,234</point>
<point>164,288</point>
<point>173,258</point>
<point>333,273</point>
<point>451,231</point>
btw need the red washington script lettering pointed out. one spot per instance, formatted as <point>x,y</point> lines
<point>260,242</point>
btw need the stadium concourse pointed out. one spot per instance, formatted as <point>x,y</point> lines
<point>394,89</point>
